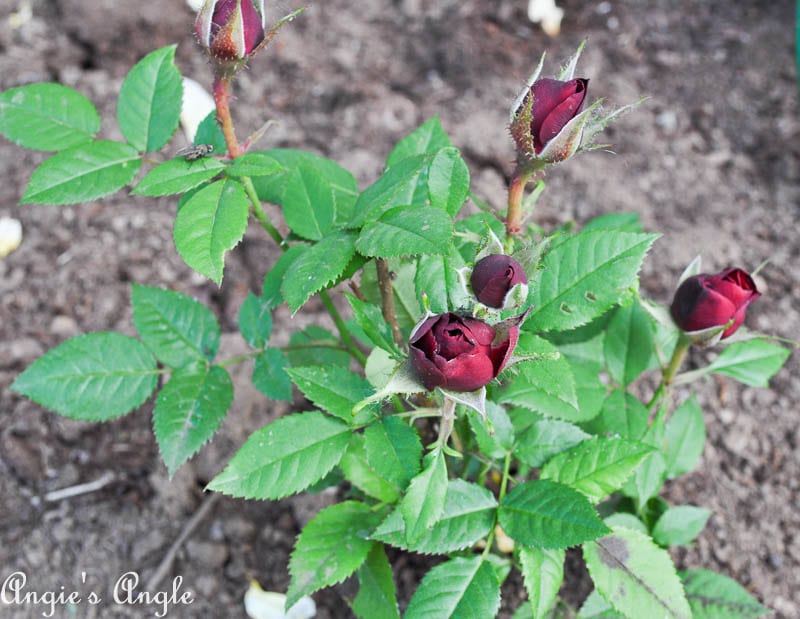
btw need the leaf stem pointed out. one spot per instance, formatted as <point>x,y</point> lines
<point>501,496</point>
<point>387,299</point>
<point>347,339</point>
<point>258,210</point>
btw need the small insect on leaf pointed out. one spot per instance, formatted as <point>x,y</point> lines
<point>195,152</point>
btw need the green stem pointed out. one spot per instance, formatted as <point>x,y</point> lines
<point>387,299</point>
<point>258,210</point>
<point>681,348</point>
<point>347,339</point>
<point>503,488</point>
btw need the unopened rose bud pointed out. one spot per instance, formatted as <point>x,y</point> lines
<point>705,301</point>
<point>231,29</point>
<point>458,353</point>
<point>494,277</point>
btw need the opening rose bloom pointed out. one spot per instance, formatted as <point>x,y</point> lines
<point>555,103</point>
<point>231,29</point>
<point>705,301</point>
<point>458,353</point>
<point>493,278</point>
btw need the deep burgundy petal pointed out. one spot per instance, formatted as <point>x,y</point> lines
<point>501,352</point>
<point>468,372</point>
<point>555,103</point>
<point>697,307</point>
<point>736,285</point>
<point>493,276</point>
<point>427,371</point>
<point>482,334</point>
<point>253,26</point>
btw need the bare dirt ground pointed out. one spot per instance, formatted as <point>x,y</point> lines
<point>712,161</point>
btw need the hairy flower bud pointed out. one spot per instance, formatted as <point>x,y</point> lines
<point>705,301</point>
<point>494,277</point>
<point>459,353</point>
<point>555,103</point>
<point>231,29</point>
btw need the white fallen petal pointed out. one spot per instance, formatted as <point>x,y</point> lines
<point>197,104</point>
<point>10,235</point>
<point>260,604</point>
<point>548,14</point>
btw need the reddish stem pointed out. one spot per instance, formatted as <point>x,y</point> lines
<point>516,191</point>
<point>222,97</point>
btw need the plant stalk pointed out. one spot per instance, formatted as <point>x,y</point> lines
<point>347,339</point>
<point>681,348</point>
<point>222,97</point>
<point>387,299</point>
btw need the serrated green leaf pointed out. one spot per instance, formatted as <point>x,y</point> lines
<point>596,607</point>
<point>685,437</point>
<point>176,328</point>
<point>542,572</point>
<point>316,346</point>
<point>437,277</point>
<point>398,186</point>
<point>648,478</point>
<point>394,450</point>
<point>544,385</point>
<point>636,576</point>
<point>680,525</point>
<point>752,362</point>
<point>621,414</point>
<point>209,132</point>
<point>254,164</point>
<point>212,222</point>
<point>284,457</point>
<point>583,277</point>
<point>626,222</point>
<point>308,204</point>
<point>462,588</point>
<point>270,377</point>
<point>177,176</point>
<point>370,318</point>
<point>92,377</point>
<point>597,466</point>
<point>255,321</point>
<point>407,231</point>
<point>47,117</point>
<point>629,521</point>
<point>273,280</point>
<point>189,410</point>
<point>317,267</point>
<point>468,516</point>
<point>497,443</point>
<point>544,438</point>
<point>335,389</point>
<point>448,181</point>
<point>150,99</point>
<point>428,138</point>
<point>588,387</point>
<point>628,343</point>
<point>358,472</point>
<point>376,593</point>
<point>423,504</point>
<point>714,596</point>
<point>546,514</point>
<point>330,547</point>
<point>82,173</point>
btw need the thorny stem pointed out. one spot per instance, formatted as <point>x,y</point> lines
<point>387,299</point>
<point>516,192</point>
<point>222,97</point>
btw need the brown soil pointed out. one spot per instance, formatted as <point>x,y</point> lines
<point>712,160</point>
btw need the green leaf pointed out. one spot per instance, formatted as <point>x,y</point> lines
<point>596,607</point>
<point>423,504</point>
<point>685,438</point>
<point>176,328</point>
<point>407,306</point>
<point>546,514</point>
<point>308,203</point>
<point>636,576</point>
<point>752,362</point>
<point>82,173</point>
<point>544,385</point>
<point>376,593</point>
<point>497,443</point>
<point>622,414</point>
<point>150,99</point>
<point>93,377</point>
<point>270,377</point>
<point>628,343</point>
<point>358,472</point>
<point>370,318</point>
<point>210,132</point>
<point>394,450</point>
<point>177,176</point>
<point>317,267</point>
<point>209,224</point>
<point>47,117</point>
<point>437,277</point>
<point>597,466</point>
<point>714,596</point>
<point>189,410</point>
<point>255,321</point>
<point>428,138</point>
<point>407,231</point>
<point>284,457</point>
<point>625,222</point>
<point>396,187</point>
<point>271,289</point>
<point>330,547</point>
<point>254,164</point>
<point>545,438</point>
<point>629,521</point>
<point>462,588</point>
<point>448,181</point>
<point>468,515</point>
<point>680,525</point>
<point>583,277</point>
<point>335,389</point>
<point>542,572</point>
<point>316,346</point>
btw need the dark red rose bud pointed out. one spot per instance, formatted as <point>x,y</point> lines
<point>704,301</point>
<point>555,103</point>
<point>231,29</point>
<point>458,353</point>
<point>494,276</point>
